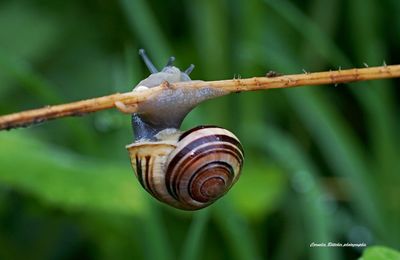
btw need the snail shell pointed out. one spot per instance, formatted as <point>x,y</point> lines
<point>190,170</point>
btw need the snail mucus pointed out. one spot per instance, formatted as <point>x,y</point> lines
<point>187,170</point>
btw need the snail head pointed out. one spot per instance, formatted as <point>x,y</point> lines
<point>168,109</point>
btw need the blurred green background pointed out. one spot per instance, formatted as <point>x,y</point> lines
<point>322,163</point>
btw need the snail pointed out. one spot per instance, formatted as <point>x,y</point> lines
<point>187,170</point>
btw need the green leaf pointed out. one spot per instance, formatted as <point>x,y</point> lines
<point>66,180</point>
<point>380,253</point>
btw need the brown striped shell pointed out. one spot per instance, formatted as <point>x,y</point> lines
<point>191,170</point>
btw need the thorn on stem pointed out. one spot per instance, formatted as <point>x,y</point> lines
<point>237,76</point>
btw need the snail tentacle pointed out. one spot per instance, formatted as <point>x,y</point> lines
<point>170,61</point>
<point>147,61</point>
<point>189,69</point>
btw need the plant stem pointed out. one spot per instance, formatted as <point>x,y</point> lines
<point>132,99</point>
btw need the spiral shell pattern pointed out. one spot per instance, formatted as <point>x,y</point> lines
<point>191,174</point>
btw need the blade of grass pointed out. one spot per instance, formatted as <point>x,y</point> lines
<point>340,149</point>
<point>292,158</point>
<point>144,24</point>
<point>327,22</point>
<point>339,146</point>
<point>372,102</point>
<point>209,28</point>
<point>156,243</point>
<point>292,233</point>
<point>236,231</point>
<point>319,42</point>
<point>372,51</point>
<point>368,45</point>
<point>337,142</point>
<point>194,240</point>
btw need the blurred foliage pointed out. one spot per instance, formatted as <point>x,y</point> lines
<point>380,253</point>
<point>321,162</point>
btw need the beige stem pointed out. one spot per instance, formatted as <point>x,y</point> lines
<point>133,99</point>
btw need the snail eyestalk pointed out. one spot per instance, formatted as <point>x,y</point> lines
<point>170,61</point>
<point>147,61</point>
<point>189,69</point>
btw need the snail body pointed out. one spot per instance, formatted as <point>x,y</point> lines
<point>187,170</point>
